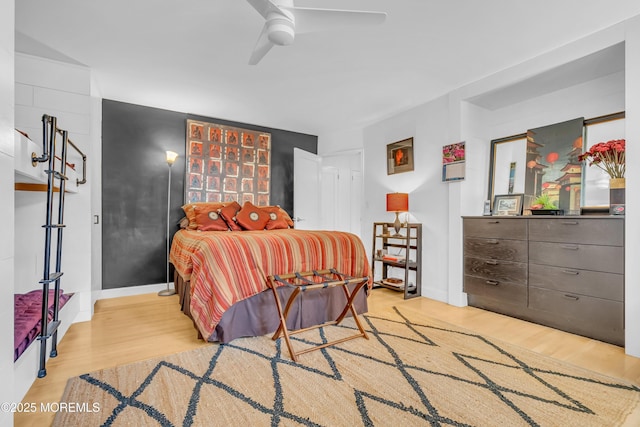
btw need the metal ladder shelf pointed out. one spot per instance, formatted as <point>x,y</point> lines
<point>49,328</point>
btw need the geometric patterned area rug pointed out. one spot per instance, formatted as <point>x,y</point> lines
<point>413,370</point>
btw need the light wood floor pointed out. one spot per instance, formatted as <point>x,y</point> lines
<point>129,329</point>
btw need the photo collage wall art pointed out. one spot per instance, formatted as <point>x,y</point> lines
<point>226,163</point>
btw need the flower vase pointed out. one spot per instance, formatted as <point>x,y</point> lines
<point>616,196</point>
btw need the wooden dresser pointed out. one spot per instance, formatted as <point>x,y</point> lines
<point>564,272</point>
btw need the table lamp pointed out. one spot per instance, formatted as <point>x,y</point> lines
<point>397,202</point>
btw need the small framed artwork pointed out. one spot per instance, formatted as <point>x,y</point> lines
<point>508,204</point>
<point>453,162</point>
<point>400,156</point>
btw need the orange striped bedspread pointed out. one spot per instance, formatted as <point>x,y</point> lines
<point>227,267</point>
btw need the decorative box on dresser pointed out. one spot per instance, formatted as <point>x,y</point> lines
<point>573,271</point>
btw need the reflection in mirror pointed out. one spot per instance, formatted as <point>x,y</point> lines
<point>596,181</point>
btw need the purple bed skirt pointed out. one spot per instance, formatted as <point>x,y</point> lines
<point>258,315</point>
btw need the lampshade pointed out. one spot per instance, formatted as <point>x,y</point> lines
<point>171,157</point>
<point>397,202</point>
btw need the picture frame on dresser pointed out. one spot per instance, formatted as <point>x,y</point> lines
<point>508,204</point>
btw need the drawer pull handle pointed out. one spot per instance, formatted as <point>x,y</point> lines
<point>492,241</point>
<point>571,272</point>
<point>570,222</point>
<point>570,247</point>
<point>493,222</point>
<point>571,297</point>
<point>491,262</point>
<point>492,282</point>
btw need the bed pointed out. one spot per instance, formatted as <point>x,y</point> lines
<point>221,277</point>
<point>28,317</point>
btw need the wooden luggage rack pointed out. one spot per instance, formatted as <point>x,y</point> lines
<point>327,279</point>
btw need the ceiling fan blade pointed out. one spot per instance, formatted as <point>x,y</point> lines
<point>263,46</point>
<point>264,7</point>
<point>309,20</point>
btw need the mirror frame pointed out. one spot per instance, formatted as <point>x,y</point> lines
<point>492,159</point>
<point>496,142</point>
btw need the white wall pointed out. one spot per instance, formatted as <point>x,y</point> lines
<point>632,222</point>
<point>345,140</point>
<point>7,13</point>
<point>427,194</point>
<point>453,118</point>
<point>95,183</point>
<point>45,86</point>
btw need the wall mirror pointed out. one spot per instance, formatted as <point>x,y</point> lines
<point>508,158</point>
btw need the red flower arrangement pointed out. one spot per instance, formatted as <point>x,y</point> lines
<point>608,156</point>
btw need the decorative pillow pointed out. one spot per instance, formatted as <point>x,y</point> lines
<point>191,213</point>
<point>278,218</point>
<point>208,218</point>
<point>229,213</point>
<point>184,222</point>
<point>252,217</point>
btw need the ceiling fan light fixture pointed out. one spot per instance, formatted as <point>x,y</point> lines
<point>281,30</point>
<point>283,20</point>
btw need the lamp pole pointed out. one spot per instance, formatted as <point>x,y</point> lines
<point>171,158</point>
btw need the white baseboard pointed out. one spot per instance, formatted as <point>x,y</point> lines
<point>129,291</point>
<point>433,293</point>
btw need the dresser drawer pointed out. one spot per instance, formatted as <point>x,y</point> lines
<point>583,282</point>
<point>496,270</point>
<point>595,231</point>
<point>598,318</point>
<point>503,291</point>
<point>496,228</point>
<point>508,250</point>
<point>589,257</point>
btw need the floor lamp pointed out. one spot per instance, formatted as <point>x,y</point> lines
<point>171,158</point>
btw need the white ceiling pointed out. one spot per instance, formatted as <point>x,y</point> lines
<point>191,55</point>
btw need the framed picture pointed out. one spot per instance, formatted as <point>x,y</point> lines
<point>225,163</point>
<point>453,162</point>
<point>508,204</point>
<point>400,156</point>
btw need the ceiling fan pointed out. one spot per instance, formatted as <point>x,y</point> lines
<point>284,21</point>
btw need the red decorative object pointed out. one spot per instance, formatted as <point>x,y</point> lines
<point>397,202</point>
<point>531,164</point>
<point>552,157</point>
<point>608,156</point>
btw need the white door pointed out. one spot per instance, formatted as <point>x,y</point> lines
<point>355,223</point>
<point>329,190</point>
<point>306,189</point>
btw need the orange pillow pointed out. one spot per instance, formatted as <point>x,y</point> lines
<point>252,217</point>
<point>229,213</point>
<point>209,219</point>
<point>278,218</point>
<point>190,212</point>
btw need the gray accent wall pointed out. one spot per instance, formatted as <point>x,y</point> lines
<point>134,185</point>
